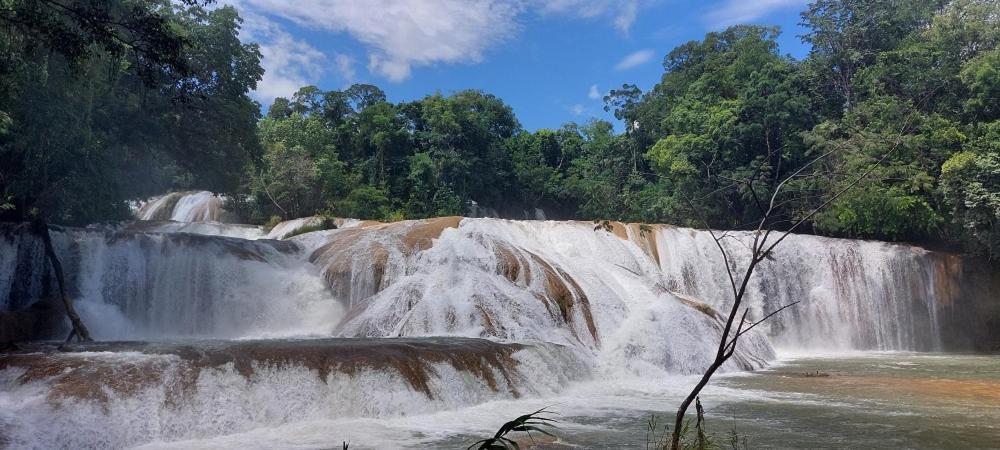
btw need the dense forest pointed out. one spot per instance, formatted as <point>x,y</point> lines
<point>891,124</point>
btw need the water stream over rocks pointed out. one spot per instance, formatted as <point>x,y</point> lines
<point>212,328</point>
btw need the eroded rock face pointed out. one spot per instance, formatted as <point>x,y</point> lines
<point>85,370</point>
<point>128,393</point>
<point>562,282</point>
<point>968,303</point>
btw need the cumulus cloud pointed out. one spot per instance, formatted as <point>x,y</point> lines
<point>288,63</point>
<point>404,34</point>
<point>578,110</point>
<point>634,59</point>
<point>733,12</point>
<point>593,93</point>
<point>399,35</point>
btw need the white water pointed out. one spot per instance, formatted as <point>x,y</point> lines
<point>854,294</point>
<point>206,228</point>
<point>198,206</point>
<point>286,228</point>
<point>228,402</point>
<point>147,285</point>
<point>454,288</point>
<point>599,306</point>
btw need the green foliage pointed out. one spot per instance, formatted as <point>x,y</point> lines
<point>272,222</point>
<point>364,201</point>
<point>904,92</point>
<point>982,77</point>
<point>731,108</point>
<point>536,421</point>
<point>692,438</point>
<point>325,223</point>
<point>889,90</point>
<point>89,122</point>
<point>898,200</point>
<point>971,186</point>
<point>289,179</point>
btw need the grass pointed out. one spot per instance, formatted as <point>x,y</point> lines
<point>325,223</point>
<point>271,223</point>
<point>658,437</point>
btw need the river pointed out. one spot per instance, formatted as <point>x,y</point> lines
<point>860,400</point>
<point>431,333</point>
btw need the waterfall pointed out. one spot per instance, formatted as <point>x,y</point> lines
<point>561,282</point>
<point>127,394</point>
<point>204,228</point>
<point>853,294</point>
<point>148,285</point>
<point>244,329</point>
<point>289,227</point>
<point>553,281</point>
<point>195,206</point>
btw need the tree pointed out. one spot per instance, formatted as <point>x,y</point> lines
<point>84,84</point>
<point>847,35</point>
<point>289,181</point>
<point>735,108</point>
<point>280,108</point>
<point>899,200</point>
<point>465,134</point>
<point>761,248</point>
<point>622,102</point>
<point>971,185</point>
<point>599,177</point>
<point>127,128</point>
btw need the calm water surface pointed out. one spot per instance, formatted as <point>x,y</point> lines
<point>872,400</point>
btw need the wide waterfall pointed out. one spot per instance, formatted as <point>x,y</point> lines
<point>244,328</point>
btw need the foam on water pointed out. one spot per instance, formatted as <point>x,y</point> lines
<point>853,294</point>
<point>599,313</point>
<point>195,206</point>
<point>168,393</point>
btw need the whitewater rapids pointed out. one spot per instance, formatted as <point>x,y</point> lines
<point>250,329</point>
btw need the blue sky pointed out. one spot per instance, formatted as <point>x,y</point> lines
<point>551,61</point>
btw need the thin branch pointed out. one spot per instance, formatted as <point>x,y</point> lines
<point>747,330</point>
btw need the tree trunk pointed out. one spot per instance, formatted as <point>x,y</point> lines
<point>79,329</point>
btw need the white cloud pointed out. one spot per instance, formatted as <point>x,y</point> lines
<point>345,65</point>
<point>593,93</point>
<point>402,34</point>
<point>288,63</point>
<point>635,59</point>
<point>734,12</point>
<point>578,109</point>
<point>626,17</point>
<point>622,12</point>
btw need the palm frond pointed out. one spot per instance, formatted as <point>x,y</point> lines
<point>536,421</point>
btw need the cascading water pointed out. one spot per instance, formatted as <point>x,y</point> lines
<point>196,206</point>
<point>143,285</point>
<point>520,308</point>
<point>852,294</point>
